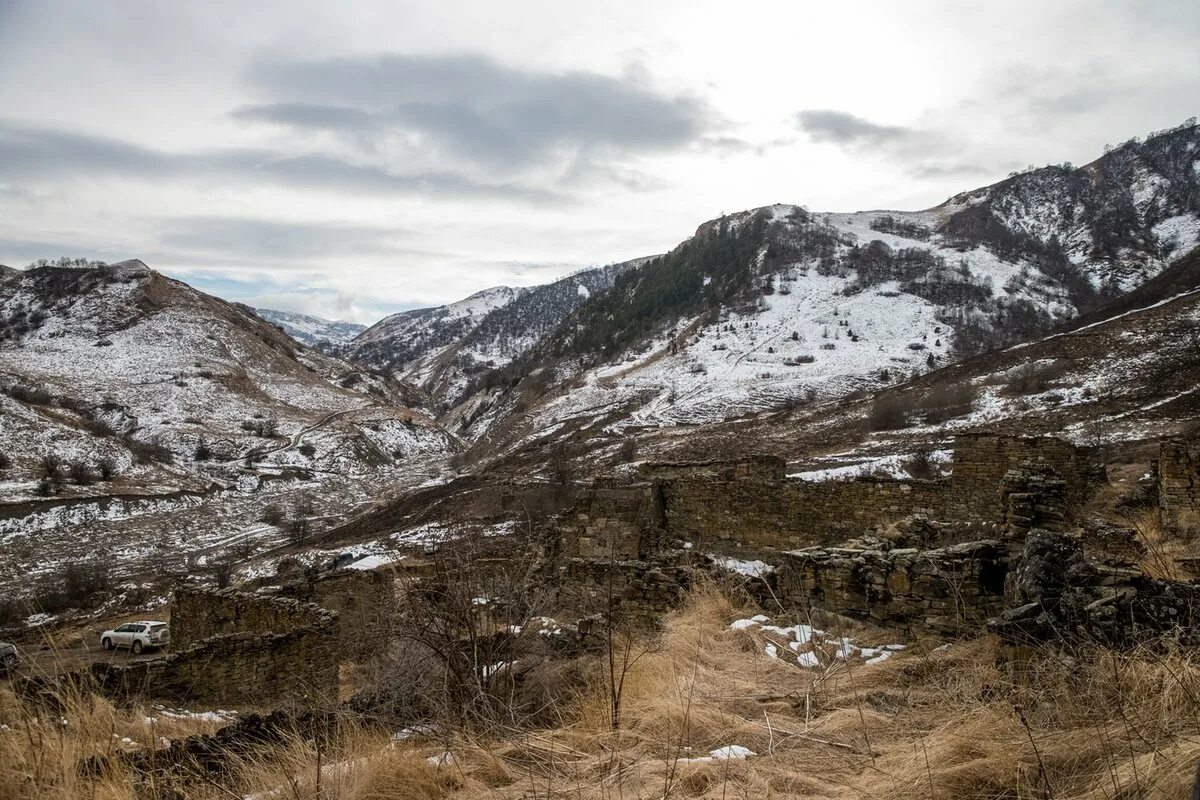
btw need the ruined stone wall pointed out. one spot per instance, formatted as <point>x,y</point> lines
<point>363,599</point>
<point>238,648</point>
<point>764,467</point>
<point>611,520</point>
<point>1177,474</point>
<point>981,461</point>
<point>197,614</point>
<point>633,590</point>
<point>950,590</point>
<point>242,669</point>
<point>752,515</point>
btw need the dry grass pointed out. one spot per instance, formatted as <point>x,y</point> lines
<point>925,724</point>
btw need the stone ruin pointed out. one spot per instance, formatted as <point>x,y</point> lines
<point>236,648</point>
<point>1176,480</point>
<point>988,543</point>
<point>280,645</point>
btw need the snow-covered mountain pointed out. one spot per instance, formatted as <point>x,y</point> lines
<point>780,306</point>
<point>120,369</point>
<point>446,349</point>
<point>311,330</point>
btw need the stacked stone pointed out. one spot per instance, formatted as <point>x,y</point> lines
<point>640,590</point>
<point>1054,592</point>
<point>948,590</point>
<point>234,668</point>
<point>1032,496</point>
<point>981,461</point>
<point>1178,481</point>
<point>198,613</point>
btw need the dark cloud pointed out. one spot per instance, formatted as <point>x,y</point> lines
<point>848,130</point>
<point>305,115</point>
<point>475,108</point>
<point>32,153</point>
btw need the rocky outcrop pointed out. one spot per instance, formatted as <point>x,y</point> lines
<point>1054,592</point>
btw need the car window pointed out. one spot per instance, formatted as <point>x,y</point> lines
<point>124,629</point>
<point>138,628</point>
<point>158,627</point>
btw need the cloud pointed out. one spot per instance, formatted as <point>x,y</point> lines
<point>937,170</point>
<point>36,153</point>
<point>848,130</point>
<point>474,108</point>
<point>269,239</point>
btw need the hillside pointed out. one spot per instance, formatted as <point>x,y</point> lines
<point>121,364</point>
<point>446,350</point>
<point>778,307</point>
<point>311,330</point>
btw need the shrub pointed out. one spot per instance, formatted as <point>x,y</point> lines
<point>1035,378</point>
<point>51,466</point>
<point>921,465</point>
<point>5,461</point>
<point>203,452</point>
<point>307,450</point>
<point>272,514</point>
<point>81,473</point>
<point>889,412</point>
<point>107,468</point>
<point>947,402</point>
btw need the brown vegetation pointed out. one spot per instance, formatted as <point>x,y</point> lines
<point>929,723</point>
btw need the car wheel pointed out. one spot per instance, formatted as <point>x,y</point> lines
<point>106,644</point>
<point>10,660</point>
<point>137,648</point>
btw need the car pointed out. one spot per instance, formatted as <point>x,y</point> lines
<point>10,656</point>
<point>137,636</point>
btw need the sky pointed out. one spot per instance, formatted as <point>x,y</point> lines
<point>350,160</point>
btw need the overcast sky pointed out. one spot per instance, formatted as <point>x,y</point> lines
<point>353,159</point>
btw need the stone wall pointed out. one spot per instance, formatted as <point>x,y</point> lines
<point>240,669</point>
<point>363,600</point>
<point>764,467</point>
<point>1177,478</point>
<point>980,462</point>
<point>610,520</point>
<point>237,648</point>
<point>197,614</point>
<point>950,590</point>
<point>639,591</point>
<point>1056,592</point>
<point>751,515</point>
<point>749,508</point>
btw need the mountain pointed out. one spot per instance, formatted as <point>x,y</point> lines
<point>311,330</point>
<point>444,349</point>
<point>120,369</point>
<point>7,272</point>
<point>780,306</point>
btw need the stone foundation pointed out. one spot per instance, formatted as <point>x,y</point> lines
<point>949,590</point>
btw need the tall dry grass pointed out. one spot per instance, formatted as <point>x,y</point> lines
<point>928,723</point>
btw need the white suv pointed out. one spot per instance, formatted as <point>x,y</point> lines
<point>137,636</point>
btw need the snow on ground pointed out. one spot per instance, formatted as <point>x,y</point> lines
<point>813,336</point>
<point>805,646</point>
<point>894,465</point>
<point>750,569</point>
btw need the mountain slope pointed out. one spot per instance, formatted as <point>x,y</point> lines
<point>311,330</point>
<point>444,349</point>
<point>779,306</point>
<point>176,388</point>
